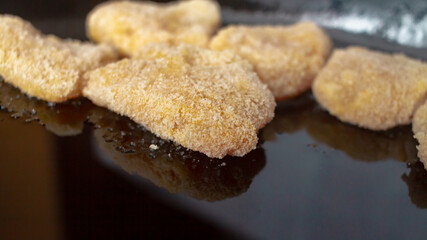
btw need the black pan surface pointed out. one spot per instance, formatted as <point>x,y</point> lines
<point>77,171</point>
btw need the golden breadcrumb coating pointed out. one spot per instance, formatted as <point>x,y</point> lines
<point>286,58</point>
<point>45,66</point>
<point>131,25</point>
<point>373,90</point>
<point>205,100</point>
<point>419,127</point>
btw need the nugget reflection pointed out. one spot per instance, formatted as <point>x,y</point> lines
<point>417,184</point>
<point>360,144</point>
<point>172,167</point>
<point>62,119</point>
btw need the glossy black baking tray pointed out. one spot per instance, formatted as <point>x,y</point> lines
<point>78,171</point>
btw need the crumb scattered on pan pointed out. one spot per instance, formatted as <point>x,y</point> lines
<point>154,147</point>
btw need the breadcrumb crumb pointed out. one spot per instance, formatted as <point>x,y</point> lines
<point>131,25</point>
<point>205,100</point>
<point>45,66</point>
<point>154,147</point>
<point>370,89</point>
<point>286,58</point>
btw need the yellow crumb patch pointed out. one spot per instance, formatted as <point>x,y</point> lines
<point>45,66</point>
<point>286,58</point>
<point>131,25</point>
<point>373,90</point>
<point>205,100</point>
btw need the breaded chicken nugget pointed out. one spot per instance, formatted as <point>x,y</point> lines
<point>205,100</point>
<point>45,66</point>
<point>286,58</point>
<point>419,127</point>
<point>371,89</point>
<point>131,25</point>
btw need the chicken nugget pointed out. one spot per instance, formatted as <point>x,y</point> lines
<point>419,127</point>
<point>370,89</point>
<point>286,58</point>
<point>131,25</point>
<point>205,100</point>
<point>45,66</point>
